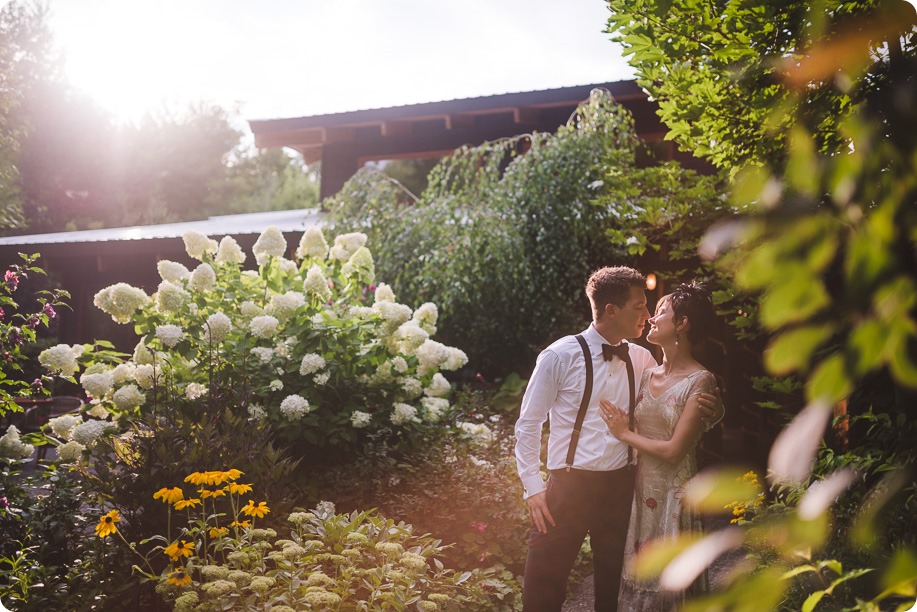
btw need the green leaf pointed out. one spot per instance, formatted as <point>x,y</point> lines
<point>830,381</point>
<point>795,297</point>
<point>792,350</point>
<point>900,577</point>
<point>812,600</point>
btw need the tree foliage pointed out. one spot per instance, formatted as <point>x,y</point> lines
<point>810,108</point>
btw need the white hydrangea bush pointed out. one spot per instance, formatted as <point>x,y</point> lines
<point>310,345</point>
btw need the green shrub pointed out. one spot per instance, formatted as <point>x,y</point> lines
<point>310,347</point>
<point>501,241</point>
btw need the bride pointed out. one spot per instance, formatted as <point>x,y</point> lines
<point>669,426</point>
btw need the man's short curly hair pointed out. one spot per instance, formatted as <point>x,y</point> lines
<point>611,285</point>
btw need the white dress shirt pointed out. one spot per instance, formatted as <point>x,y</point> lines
<point>554,393</point>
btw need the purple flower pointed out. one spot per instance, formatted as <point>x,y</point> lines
<point>37,383</point>
<point>11,279</point>
<point>4,502</point>
<point>49,310</point>
<point>2,313</point>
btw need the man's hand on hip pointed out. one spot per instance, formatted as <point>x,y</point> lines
<point>711,408</point>
<point>538,510</point>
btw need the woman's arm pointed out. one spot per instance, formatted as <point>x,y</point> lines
<point>689,427</point>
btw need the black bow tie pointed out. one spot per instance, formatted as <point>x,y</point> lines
<point>620,351</point>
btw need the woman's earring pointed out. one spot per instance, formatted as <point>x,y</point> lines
<point>677,335</point>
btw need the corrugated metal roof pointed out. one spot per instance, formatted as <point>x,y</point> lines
<point>249,223</point>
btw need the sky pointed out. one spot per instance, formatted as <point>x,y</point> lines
<point>266,59</point>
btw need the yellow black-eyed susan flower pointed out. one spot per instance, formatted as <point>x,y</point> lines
<point>106,524</point>
<point>179,577</point>
<point>169,496</point>
<point>176,550</point>
<point>258,511</point>
<point>186,503</point>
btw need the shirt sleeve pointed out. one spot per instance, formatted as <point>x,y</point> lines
<point>540,395</point>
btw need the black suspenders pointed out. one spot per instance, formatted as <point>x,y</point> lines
<point>584,404</point>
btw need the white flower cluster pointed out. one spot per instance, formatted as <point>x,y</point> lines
<point>283,306</point>
<point>263,354</point>
<point>311,363</point>
<point>128,397</point>
<point>70,452</point>
<point>360,266</point>
<point>146,375</point>
<point>270,243</point>
<point>63,425</point>
<point>316,284</point>
<point>312,244</point>
<point>426,317</point>
<point>434,408</point>
<point>250,310</point>
<point>229,252</point>
<point>478,433</point>
<point>87,432</point>
<point>170,335</point>
<point>170,297</point>
<point>97,384</point>
<point>402,413</point>
<point>203,278</point>
<point>197,245</point>
<point>264,326</point>
<point>218,327</point>
<point>360,419</point>
<point>12,447</point>
<point>439,386</point>
<point>384,293</point>
<point>346,245</point>
<point>120,301</point>
<point>172,272</point>
<point>294,407</point>
<point>256,413</point>
<point>195,390</point>
<point>61,359</point>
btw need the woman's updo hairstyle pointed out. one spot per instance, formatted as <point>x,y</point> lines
<point>693,300</point>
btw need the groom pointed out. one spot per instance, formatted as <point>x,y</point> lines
<point>590,487</point>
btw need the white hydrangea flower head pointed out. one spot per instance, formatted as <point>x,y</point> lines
<point>360,266</point>
<point>197,245</point>
<point>411,387</point>
<point>384,373</point>
<point>346,245</point>
<point>120,301</point>
<point>63,425</point>
<point>402,413</point>
<point>478,433</point>
<point>203,278</point>
<point>264,354</point>
<point>12,447</point>
<point>287,266</point>
<point>218,327</point>
<point>311,363</point>
<point>360,419</point>
<point>171,271</point>
<point>61,359</point>
<point>312,244</point>
<point>229,252</point>
<point>264,326</point>
<point>146,375</point>
<point>250,310</point>
<point>128,397</point>
<point>430,356</point>
<point>321,378</point>
<point>71,452</point>
<point>169,335</point>
<point>434,408</point>
<point>455,359</point>
<point>294,407</point>
<point>426,317</point>
<point>439,387</point>
<point>256,412</point>
<point>170,297</point>
<point>410,336</point>
<point>284,305</point>
<point>98,411</point>
<point>393,315</point>
<point>270,243</point>
<point>316,284</point>
<point>360,312</point>
<point>276,385</point>
<point>384,293</point>
<point>195,390</point>
<point>97,384</point>
<point>87,432</point>
<point>142,354</point>
<point>399,365</point>
<point>122,372</point>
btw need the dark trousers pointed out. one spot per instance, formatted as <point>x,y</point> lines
<point>581,502</point>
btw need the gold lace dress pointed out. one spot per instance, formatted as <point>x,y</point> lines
<point>657,510</point>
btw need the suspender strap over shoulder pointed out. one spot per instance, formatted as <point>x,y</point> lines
<point>587,396</point>
<point>583,405</point>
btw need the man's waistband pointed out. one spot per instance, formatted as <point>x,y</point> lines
<point>587,474</point>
